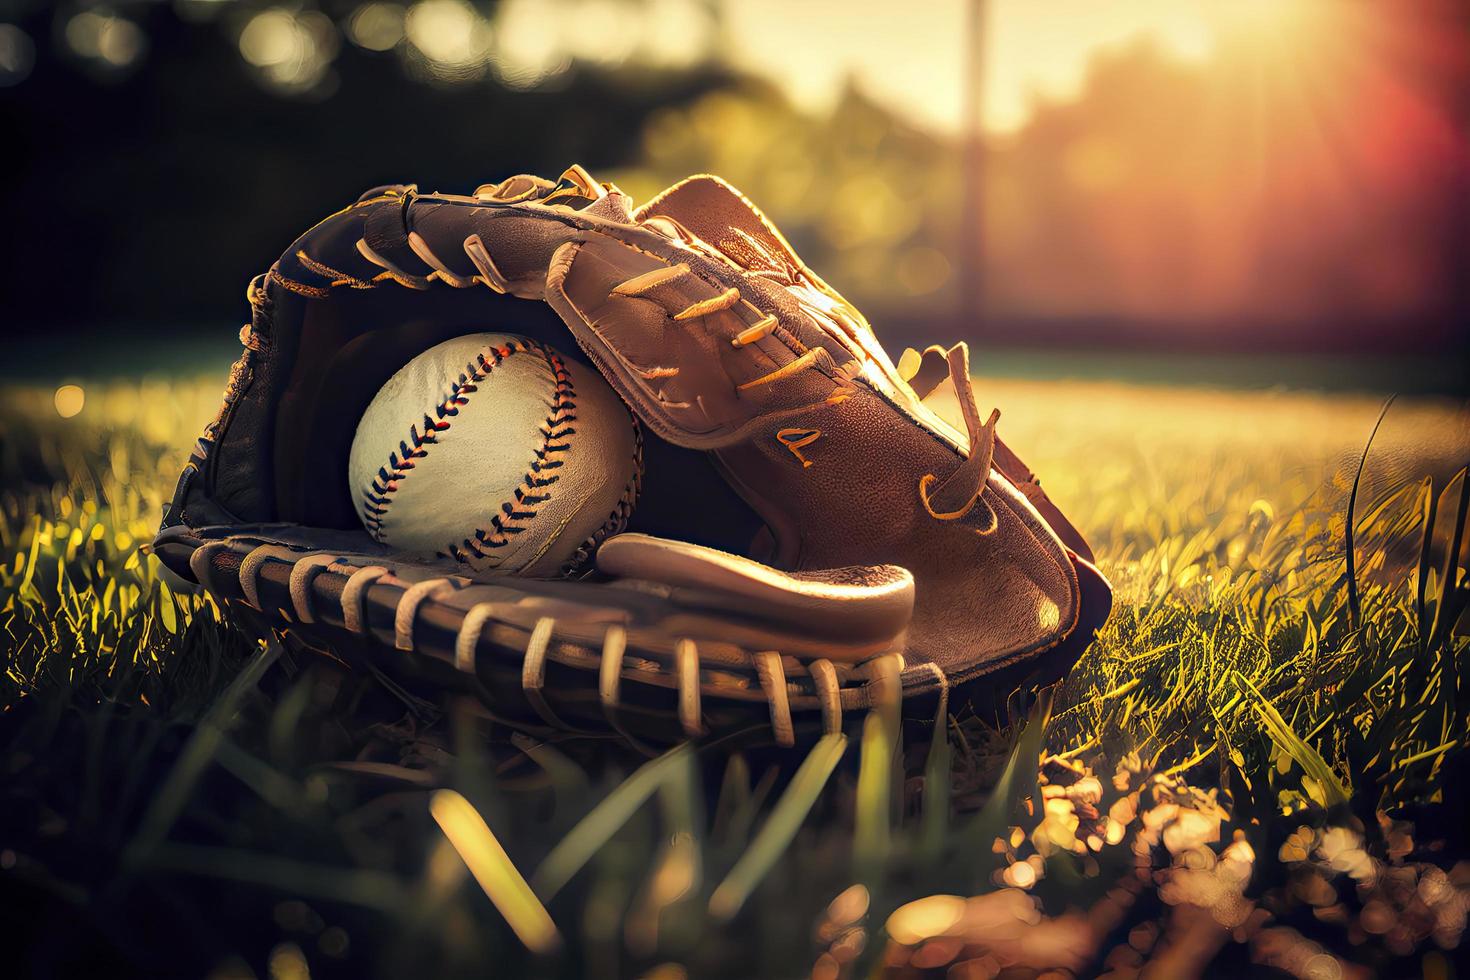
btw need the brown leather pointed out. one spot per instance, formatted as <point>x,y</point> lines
<point>925,373</point>
<point>703,318</point>
<point>868,607</point>
<point>992,586</point>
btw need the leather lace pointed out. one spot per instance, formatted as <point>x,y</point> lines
<point>955,496</point>
<point>875,683</point>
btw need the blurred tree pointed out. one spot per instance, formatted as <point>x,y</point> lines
<point>1170,192</point>
<point>866,198</point>
<point>151,196</point>
<point>1274,193</point>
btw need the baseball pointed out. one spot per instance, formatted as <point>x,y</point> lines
<point>499,453</point>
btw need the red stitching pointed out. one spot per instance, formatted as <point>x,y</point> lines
<point>617,519</point>
<point>531,494</point>
<point>377,496</point>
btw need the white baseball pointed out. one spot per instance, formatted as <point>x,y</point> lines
<point>497,452</point>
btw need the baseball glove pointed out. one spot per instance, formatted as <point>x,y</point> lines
<point>811,538</point>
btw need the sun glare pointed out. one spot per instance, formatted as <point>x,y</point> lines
<point>1270,17</point>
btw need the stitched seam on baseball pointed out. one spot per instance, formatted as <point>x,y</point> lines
<point>617,519</point>
<point>537,480</point>
<point>378,495</point>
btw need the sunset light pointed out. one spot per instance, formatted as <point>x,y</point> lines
<point>727,489</point>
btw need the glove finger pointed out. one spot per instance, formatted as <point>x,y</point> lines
<point>500,238</point>
<point>700,354</point>
<point>700,362</point>
<point>328,257</point>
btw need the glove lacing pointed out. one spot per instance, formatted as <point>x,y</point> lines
<point>958,493</point>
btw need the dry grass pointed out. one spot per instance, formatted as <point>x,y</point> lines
<point>1233,663</point>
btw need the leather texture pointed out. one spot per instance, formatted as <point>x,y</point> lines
<point>699,314</point>
<point>862,606</point>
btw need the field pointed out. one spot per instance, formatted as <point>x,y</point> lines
<point>1260,761</point>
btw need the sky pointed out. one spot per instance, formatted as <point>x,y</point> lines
<point>912,53</point>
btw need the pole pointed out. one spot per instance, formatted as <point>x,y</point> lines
<point>971,238</point>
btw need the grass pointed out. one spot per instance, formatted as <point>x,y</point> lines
<point>1261,760</point>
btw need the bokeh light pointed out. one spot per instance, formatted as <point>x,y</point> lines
<point>105,40</point>
<point>269,38</point>
<point>450,39</point>
<point>1211,175</point>
<point>528,44</point>
<point>17,55</point>
<point>293,52</point>
<point>69,400</point>
<point>607,31</point>
<point>675,33</point>
<point>922,270</point>
<point>376,26</point>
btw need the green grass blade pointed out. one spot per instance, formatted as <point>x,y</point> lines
<point>663,909</point>
<point>1355,609</point>
<point>494,870</point>
<point>870,840</point>
<point>605,820</point>
<point>1428,508</point>
<point>679,796</point>
<point>1289,742</point>
<point>568,780</point>
<point>267,782</point>
<point>680,803</point>
<point>777,832</point>
<point>30,565</point>
<point>1017,781</point>
<point>165,808</point>
<point>1446,608</point>
<point>736,831</point>
<point>734,795</point>
<point>350,886</point>
<point>935,827</point>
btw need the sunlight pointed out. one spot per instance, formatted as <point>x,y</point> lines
<point>1267,17</point>
<point>492,868</point>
